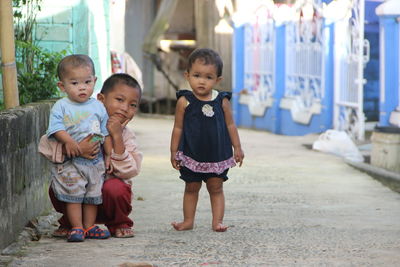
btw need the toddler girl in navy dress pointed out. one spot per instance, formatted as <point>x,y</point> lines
<point>202,138</point>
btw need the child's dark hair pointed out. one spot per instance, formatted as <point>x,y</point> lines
<point>118,78</point>
<point>76,60</point>
<point>208,56</point>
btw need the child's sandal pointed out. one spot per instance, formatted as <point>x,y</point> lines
<point>95,232</point>
<point>76,235</point>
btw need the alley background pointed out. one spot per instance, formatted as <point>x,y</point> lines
<point>286,206</point>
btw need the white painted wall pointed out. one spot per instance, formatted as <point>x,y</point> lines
<point>117,26</point>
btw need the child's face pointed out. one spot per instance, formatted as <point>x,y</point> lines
<point>202,79</point>
<point>122,101</point>
<point>78,83</point>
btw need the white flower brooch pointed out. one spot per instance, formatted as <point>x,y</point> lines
<point>207,110</point>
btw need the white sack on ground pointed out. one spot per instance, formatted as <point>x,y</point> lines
<point>338,143</point>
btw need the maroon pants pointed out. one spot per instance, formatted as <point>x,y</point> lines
<point>114,211</point>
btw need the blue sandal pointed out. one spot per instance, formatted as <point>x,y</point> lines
<point>95,232</point>
<point>76,235</point>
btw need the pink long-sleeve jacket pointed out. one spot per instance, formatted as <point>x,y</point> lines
<point>125,166</point>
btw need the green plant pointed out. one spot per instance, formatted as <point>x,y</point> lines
<point>25,12</point>
<point>36,66</point>
<point>41,81</point>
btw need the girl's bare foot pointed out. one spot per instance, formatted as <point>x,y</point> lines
<point>220,227</point>
<point>182,226</point>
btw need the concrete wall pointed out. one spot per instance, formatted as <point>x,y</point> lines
<point>24,175</point>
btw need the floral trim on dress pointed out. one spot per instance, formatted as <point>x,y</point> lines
<point>204,167</point>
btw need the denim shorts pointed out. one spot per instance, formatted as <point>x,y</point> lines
<point>74,182</point>
<point>190,176</point>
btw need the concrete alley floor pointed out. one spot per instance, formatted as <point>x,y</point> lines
<point>286,206</point>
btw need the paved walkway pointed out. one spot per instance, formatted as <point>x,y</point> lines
<point>287,206</point>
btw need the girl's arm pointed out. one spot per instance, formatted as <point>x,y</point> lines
<point>233,132</point>
<point>177,130</point>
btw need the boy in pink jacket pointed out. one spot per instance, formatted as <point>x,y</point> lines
<point>120,95</point>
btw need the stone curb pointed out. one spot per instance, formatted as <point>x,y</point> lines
<point>388,178</point>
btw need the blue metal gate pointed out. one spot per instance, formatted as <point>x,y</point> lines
<point>291,55</point>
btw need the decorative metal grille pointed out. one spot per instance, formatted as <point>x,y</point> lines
<point>349,65</point>
<point>304,75</point>
<point>259,62</point>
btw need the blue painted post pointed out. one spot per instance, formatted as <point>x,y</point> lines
<point>389,17</point>
<point>280,34</point>
<point>371,71</point>
<point>238,70</point>
<point>328,100</point>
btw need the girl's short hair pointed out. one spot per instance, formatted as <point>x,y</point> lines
<point>208,56</point>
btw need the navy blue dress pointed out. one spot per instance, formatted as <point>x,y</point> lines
<point>205,145</point>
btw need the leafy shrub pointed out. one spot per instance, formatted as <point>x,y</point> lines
<point>38,81</point>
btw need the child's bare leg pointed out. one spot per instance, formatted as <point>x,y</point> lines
<point>89,215</point>
<point>217,198</point>
<point>190,199</point>
<point>74,213</point>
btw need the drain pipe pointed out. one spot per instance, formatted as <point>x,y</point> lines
<point>7,46</point>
